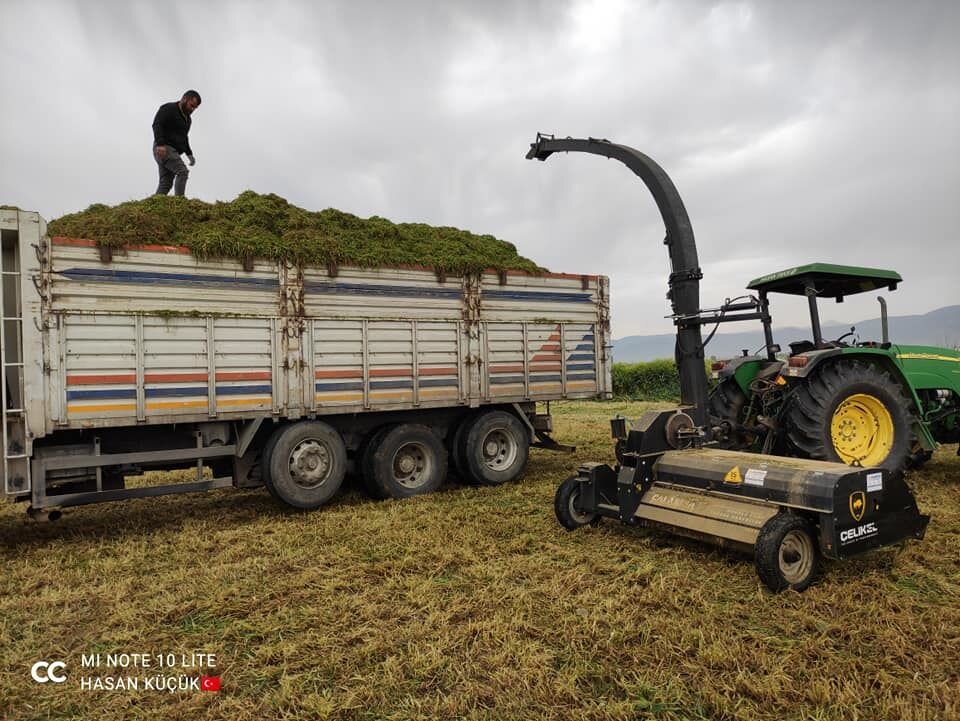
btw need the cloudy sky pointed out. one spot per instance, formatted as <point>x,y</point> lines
<point>795,132</point>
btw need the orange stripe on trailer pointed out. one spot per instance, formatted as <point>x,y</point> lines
<point>85,243</point>
<point>244,376</point>
<point>438,371</point>
<point>507,368</point>
<point>350,373</point>
<point>390,372</point>
<point>100,378</point>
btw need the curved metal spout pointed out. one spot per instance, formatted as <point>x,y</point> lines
<point>684,284</point>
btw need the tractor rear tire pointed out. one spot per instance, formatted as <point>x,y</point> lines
<point>851,412</point>
<point>786,553</point>
<point>565,504</point>
<point>726,404</point>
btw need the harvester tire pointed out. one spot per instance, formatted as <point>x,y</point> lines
<point>726,404</point>
<point>786,553</point>
<point>307,464</point>
<point>851,412</point>
<point>565,506</point>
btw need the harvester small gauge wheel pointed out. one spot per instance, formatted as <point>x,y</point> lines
<point>494,446</point>
<point>408,460</point>
<point>786,553</point>
<point>307,464</point>
<point>566,504</point>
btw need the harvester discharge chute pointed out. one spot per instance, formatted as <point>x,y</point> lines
<point>671,473</point>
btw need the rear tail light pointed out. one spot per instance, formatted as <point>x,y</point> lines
<point>717,365</point>
<point>798,361</point>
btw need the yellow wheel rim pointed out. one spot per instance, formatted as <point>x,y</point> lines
<point>862,430</point>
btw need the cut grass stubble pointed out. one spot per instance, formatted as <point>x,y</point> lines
<point>474,603</point>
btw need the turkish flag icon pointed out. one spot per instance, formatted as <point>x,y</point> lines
<point>210,683</point>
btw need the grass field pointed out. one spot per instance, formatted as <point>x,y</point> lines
<point>470,603</point>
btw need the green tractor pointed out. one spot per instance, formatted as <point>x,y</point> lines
<point>863,403</point>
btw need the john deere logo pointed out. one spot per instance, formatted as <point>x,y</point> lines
<point>858,504</point>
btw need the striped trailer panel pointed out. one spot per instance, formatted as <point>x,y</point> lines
<point>152,334</point>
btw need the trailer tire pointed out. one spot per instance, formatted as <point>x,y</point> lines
<point>786,553</point>
<point>367,462</point>
<point>265,453</point>
<point>407,460</point>
<point>495,447</point>
<point>851,412</point>
<point>565,506</point>
<point>307,464</point>
<point>457,457</point>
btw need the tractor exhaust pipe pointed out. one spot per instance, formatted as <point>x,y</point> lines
<point>884,329</point>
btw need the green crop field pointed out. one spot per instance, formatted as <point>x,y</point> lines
<point>469,603</point>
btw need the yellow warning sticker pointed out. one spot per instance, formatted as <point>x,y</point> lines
<point>733,476</point>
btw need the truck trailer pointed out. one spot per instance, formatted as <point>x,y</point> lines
<point>255,372</point>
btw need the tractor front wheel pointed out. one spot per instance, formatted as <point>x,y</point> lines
<point>851,412</point>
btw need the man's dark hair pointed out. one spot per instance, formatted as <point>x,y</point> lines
<point>193,94</point>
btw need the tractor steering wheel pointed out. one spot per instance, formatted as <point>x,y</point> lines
<point>851,332</point>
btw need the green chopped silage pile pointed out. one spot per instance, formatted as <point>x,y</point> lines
<point>267,226</point>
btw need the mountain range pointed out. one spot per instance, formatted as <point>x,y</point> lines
<point>939,327</point>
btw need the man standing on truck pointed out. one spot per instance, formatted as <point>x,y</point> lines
<point>171,125</point>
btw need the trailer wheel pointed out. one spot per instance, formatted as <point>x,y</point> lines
<point>457,457</point>
<point>853,413</point>
<point>495,447</point>
<point>367,461</point>
<point>786,553</point>
<point>307,464</point>
<point>407,460</point>
<point>265,453</point>
<point>565,505</point>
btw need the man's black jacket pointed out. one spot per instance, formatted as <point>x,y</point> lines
<point>170,127</point>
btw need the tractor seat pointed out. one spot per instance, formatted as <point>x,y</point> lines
<point>801,346</point>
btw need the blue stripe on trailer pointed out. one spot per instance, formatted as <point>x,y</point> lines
<point>504,380</point>
<point>113,393</point>
<point>580,356</point>
<point>438,383</point>
<point>389,291</point>
<point>528,295</point>
<point>585,346</point>
<point>351,386</point>
<point>581,376</point>
<point>153,278</point>
<point>243,390</point>
<point>580,367</point>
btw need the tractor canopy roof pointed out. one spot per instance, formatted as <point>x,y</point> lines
<point>830,281</point>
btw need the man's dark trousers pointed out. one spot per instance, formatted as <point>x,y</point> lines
<point>173,173</point>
